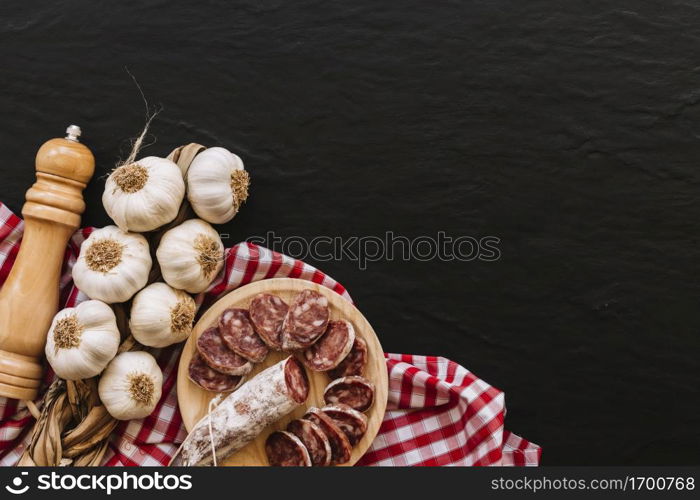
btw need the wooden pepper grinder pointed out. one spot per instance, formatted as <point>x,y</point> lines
<point>29,297</point>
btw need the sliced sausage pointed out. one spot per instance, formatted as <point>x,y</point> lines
<point>209,379</point>
<point>219,357</point>
<point>239,335</point>
<point>351,422</point>
<point>356,392</point>
<point>341,448</point>
<point>296,380</point>
<point>306,320</point>
<point>354,363</point>
<point>267,314</point>
<point>315,440</point>
<point>284,449</point>
<point>243,414</point>
<point>331,348</point>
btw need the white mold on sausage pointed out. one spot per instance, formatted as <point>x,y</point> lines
<point>241,416</point>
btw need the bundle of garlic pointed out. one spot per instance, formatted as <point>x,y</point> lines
<point>113,267</point>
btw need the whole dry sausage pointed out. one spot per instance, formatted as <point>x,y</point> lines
<point>243,414</point>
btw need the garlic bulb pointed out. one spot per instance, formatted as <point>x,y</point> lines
<point>217,185</point>
<point>161,315</point>
<point>82,340</point>
<point>131,385</point>
<point>190,256</point>
<point>144,195</point>
<point>113,265</point>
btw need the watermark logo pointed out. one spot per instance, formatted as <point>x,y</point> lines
<point>17,488</point>
<point>114,482</point>
<point>107,483</point>
<point>387,247</point>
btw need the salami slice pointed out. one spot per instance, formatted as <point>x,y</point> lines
<point>354,363</point>
<point>219,357</point>
<point>243,414</point>
<point>284,449</point>
<point>351,422</point>
<point>340,445</point>
<point>209,379</point>
<point>239,336</point>
<point>356,392</point>
<point>267,314</point>
<point>306,320</point>
<point>314,439</point>
<point>331,348</point>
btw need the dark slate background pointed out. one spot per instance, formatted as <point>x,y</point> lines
<point>569,130</point>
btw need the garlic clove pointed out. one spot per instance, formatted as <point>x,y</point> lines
<point>217,185</point>
<point>144,195</point>
<point>131,385</point>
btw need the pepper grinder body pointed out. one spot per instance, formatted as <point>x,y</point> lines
<point>29,297</point>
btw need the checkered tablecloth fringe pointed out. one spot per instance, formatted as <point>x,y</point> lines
<point>438,412</point>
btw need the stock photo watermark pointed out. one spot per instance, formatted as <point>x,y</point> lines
<point>389,247</point>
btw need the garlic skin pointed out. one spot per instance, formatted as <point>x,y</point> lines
<point>144,195</point>
<point>113,265</point>
<point>82,340</point>
<point>217,185</point>
<point>131,385</point>
<point>190,256</point>
<point>161,316</point>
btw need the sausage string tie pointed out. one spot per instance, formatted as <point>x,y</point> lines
<point>213,404</point>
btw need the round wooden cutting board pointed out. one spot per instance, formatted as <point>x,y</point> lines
<point>194,401</point>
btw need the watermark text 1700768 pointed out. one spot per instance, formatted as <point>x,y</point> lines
<point>388,247</point>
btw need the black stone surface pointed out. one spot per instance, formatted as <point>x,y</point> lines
<point>569,130</point>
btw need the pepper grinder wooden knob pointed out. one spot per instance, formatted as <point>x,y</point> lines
<point>29,297</point>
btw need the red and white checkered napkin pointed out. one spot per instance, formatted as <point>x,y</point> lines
<point>438,413</point>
